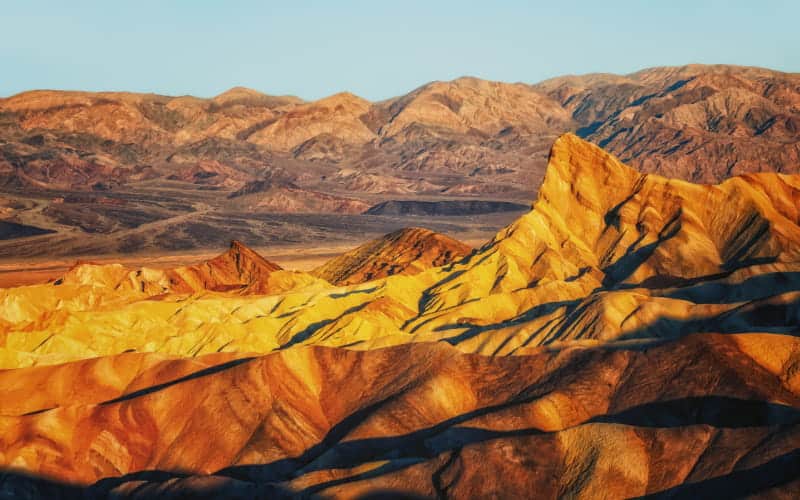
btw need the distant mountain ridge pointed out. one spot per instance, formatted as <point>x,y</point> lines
<point>463,140</point>
<point>690,114</point>
<point>696,122</point>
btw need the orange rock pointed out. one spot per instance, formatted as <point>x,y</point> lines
<point>632,335</point>
<point>407,251</point>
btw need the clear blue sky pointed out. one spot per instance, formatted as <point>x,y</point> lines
<point>376,49</point>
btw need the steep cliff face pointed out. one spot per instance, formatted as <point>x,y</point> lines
<point>608,252</point>
<point>631,335</point>
<point>595,212</point>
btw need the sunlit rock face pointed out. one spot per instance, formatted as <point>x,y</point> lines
<point>631,335</point>
<point>407,251</point>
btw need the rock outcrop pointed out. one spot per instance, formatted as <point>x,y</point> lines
<point>239,270</point>
<point>407,251</point>
<point>698,417</point>
<point>632,335</point>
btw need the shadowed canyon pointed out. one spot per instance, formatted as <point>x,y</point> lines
<point>629,335</point>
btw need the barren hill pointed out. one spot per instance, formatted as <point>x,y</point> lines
<point>178,159</point>
<point>604,251</point>
<point>239,270</point>
<point>699,123</point>
<point>408,251</point>
<point>268,196</point>
<point>632,335</point>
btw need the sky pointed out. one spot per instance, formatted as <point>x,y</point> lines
<point>375,49</point>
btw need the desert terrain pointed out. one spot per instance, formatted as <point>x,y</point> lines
<point>630,335</point>
<point>87,174</point>
<point>586,287</point>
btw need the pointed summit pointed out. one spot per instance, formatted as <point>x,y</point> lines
<point>581,174</point>
<point>247,261</point>
<point>407,251</point>
<point>239,267</point>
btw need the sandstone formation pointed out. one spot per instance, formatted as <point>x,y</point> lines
<point>426,420</point>
<point>632,335</point>
<point>240,269</point>
<point>605,252</point>
<point>408,251</point>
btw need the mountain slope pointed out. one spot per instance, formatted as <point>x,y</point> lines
<point>471,104</point>
<point>606,254</point>
<point>699,123</point>
<point>268,196</point>
<point>632,335</point>
<point>240,268</point>
<point>407,251</point>
<point>181,158</point>
<point>338,114</point>
<point>424,419</point>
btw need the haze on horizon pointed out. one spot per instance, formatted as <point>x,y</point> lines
<point>312,49</point>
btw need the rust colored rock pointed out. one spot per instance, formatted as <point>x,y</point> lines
<point>407,251</point>
<point>631,336</point>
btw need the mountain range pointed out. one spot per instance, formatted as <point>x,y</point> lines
<point>123,172</point>
<point>632,335</point>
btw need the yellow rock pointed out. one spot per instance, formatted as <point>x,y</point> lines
<point>606,254</point>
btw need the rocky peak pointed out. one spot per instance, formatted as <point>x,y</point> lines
<point>406,251</point>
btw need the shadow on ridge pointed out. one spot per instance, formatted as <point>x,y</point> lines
<point>634,257</point>
<point>717,411</point>
<point>755,287</point>
<point>347,293</point>
<point>309,330</point>
<point>450,435</point>
<point>472,330</point>
<point>18,484</point>
<point>780,471</point>
<point>151,484</point>
<point>399,452</point>
<point>768,315</point>
<point>194,375</point>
